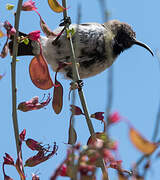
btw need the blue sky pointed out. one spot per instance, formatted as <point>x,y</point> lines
<point>136,86</point>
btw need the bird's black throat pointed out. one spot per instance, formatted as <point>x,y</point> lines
<point>123,39</point>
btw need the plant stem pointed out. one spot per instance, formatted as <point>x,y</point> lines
<point>80,91</point>
<point>77,77</point>
<point>13,77</point>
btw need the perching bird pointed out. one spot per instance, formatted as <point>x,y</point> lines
<point>97,47</point>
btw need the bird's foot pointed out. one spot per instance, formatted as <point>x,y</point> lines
<point>65,21</point>
<point>76,85</point>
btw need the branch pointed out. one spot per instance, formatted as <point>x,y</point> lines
<point>157,124</point>
<point>76,78</point>
<point>109,103</point>
<point>13,77</point>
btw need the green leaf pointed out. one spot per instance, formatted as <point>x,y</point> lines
<point>26,41</point>
<point>9,7</point>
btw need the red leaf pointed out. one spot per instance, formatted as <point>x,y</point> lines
<point>33,104</point>
<point>39,73</point>
<point>40,157</point>
<point>57,102</point>
<point>34,145</point>
<point>98,116</point>
<point>4,51</point>
<point>76,110</point>
<point>22,135</point>
<point>8,160</point>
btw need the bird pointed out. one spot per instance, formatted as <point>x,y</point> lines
<point>96,45</point>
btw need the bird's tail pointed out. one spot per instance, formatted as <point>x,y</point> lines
<point>23,49</point>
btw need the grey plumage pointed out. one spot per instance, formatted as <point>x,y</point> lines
<point>97,47</point>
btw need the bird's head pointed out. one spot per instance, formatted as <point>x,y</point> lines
<point>124,36</point>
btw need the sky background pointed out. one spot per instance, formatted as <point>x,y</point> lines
<point>136,86</point>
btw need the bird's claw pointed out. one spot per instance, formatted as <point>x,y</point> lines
<point>76,85</point>
<point>66,21</point>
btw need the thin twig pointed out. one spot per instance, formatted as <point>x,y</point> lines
<point>110,70</point>
<point>77,77</point>
<point>80,91</point>
<point>157,124</point>
<point>13,76</point>
<point>156,129</point>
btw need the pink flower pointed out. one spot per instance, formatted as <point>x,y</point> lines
<point>29,6</point>
<point>34,35</point>
<point>114,117</point>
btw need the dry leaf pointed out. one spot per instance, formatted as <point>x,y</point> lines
<point>72,135</point>
<point>57,102</point>
<point>46,30</point>
<point>55,6</point>
<point>1,34</point>
<point>141,143</point>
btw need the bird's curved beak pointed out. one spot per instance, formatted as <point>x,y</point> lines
<point>143,45</point>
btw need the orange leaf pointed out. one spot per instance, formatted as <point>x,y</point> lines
<point>57,102</point>
<point>55,6</point>
<point>141,143</point>
<point>39,73</point>
<point>1,34</point>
